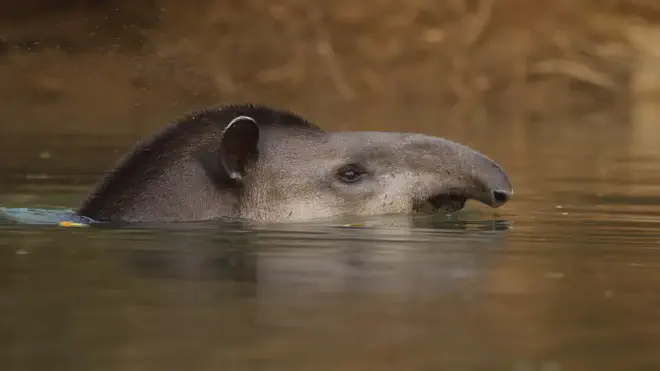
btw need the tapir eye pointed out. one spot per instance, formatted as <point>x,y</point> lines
<point>351,173</point>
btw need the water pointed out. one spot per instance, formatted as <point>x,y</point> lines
<point>564,277</point>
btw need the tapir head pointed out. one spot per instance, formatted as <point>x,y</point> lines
<point>262,164</point>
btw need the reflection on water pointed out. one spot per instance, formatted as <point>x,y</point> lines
<point>565,277</point>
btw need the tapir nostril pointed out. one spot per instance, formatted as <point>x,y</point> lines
<point>501,196</point>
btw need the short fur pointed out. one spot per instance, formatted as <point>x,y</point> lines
<point>274,165</point>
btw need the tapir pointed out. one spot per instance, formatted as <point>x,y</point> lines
<point>263,164</point>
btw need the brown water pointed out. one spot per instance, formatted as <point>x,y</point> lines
<point>564,277</point>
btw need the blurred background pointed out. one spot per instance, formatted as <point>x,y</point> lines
<point>565,94</point>
<point>126,66</point>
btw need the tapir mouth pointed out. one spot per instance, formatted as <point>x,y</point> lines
<point>444,202</point>
<point>452,202</point>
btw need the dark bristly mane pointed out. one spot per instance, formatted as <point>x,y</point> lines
<point>222,115</point>
<point>265,116</point>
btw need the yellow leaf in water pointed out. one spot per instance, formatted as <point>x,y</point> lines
<point>72,224</point>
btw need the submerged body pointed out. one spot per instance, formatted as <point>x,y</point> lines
<point>257,163</point>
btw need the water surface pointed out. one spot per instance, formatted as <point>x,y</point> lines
<point>564,277</point>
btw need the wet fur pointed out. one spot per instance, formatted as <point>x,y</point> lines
<point>190,138</point>
<point>258,163</point>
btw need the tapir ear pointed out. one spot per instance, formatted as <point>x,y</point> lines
<point>238,142</point>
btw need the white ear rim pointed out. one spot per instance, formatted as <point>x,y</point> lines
<point>240,118</point>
